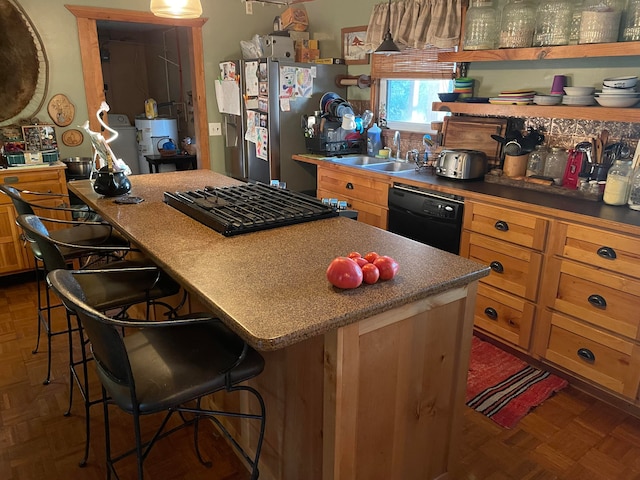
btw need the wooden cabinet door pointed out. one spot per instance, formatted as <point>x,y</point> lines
<point>12,257</point>
<point>513,269</point>
<point>509,225</point>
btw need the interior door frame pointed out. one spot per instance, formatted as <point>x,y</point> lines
<point>87,17</point>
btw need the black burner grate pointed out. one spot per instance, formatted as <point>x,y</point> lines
<point>247,208</point>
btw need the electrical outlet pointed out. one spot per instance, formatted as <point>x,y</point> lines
<point>248,7</point>
<point>215,129</point>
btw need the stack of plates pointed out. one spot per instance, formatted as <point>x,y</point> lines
<point>618,98</point>
<point>514,97</point>
<point>547,99</point>
<point>578,96</point>
<point>578,100</point>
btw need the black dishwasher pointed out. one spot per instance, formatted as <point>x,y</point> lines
<point>426,216</point>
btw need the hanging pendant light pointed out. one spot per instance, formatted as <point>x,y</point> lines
<point>176,8</point>
<point>388,46</point>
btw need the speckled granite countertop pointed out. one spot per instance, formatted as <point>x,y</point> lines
<point>270,286</point>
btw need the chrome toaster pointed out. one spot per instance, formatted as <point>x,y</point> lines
<point>461,164</point>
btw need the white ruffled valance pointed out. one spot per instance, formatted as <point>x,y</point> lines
<point>416,23</point>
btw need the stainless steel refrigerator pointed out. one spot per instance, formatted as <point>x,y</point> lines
<point>266,98</point>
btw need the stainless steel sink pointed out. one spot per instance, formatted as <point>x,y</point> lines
<point>360,160</point>
<point>391,167</point>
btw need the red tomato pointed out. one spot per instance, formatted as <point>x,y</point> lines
<point>343,272</point>
<point>371,256</point>
<point>354,255</point>
<point>388,267</point>
<point>370,273</point>
<point>361,261</point>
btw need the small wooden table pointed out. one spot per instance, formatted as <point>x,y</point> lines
<point>182,162</point>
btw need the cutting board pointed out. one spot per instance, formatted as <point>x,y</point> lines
<point>474,133</point>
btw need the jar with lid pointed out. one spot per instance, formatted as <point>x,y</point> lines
<point>600,21</point>
<point>630,29</point>
<point>555,164</point>
<point>517,25</point>
<point>634,189</point>
<point>537,158</point>
<point>553,23</point>
<point>481,26</point>
<point>574,29</point>
<point>616,190</point>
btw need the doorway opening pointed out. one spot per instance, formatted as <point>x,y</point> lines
<point>141,62</point>
<point>93,53</point>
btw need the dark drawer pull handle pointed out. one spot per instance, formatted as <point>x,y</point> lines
<point>11,179</point>
<point>496,267</point>
<point>597,301</point>
<point>607,252</point>
<point>349,186</point>
<point>586,355</point>
<point>502,226</point>
<point>491,313</point>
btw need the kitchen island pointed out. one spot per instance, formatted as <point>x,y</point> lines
<point>359,384</point>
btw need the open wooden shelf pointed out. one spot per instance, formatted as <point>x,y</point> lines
<point>617,49</point>
<point>595,112</point>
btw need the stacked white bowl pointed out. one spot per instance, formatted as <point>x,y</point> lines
<point>578,96</point>
<point>619,92</point>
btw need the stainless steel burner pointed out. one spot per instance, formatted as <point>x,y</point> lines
<point>247,208</point>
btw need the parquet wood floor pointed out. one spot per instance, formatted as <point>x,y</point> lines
<point>570,436</point>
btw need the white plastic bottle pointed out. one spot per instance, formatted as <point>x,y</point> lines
<point>374,140</point>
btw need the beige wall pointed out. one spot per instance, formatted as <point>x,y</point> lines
<point>228,24</point>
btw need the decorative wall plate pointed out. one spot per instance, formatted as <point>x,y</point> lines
<point>61,110</point>
<point>72,138</point>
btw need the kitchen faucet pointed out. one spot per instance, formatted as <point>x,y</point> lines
<point>396,143</point>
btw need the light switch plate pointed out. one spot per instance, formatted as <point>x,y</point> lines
<point>248,7</point>
<point>215,129</point>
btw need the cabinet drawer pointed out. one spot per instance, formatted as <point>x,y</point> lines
<point>353,186</point>
<point>508,225</point>
<point>505,316</point>
<point>604,299</point>
<point>599,248</point>
<point>367,213</point>
<point>605,359</point>
<point>513,268</point>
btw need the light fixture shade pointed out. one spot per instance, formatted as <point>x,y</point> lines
<point>176,8</point>
<point>388,46</point>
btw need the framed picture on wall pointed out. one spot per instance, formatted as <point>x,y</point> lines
<point>353,50</point>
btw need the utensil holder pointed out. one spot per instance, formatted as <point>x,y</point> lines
<point>515,165</point>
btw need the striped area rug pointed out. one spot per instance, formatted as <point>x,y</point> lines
<point>503,387</point>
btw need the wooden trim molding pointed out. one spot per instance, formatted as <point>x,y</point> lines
<point>86,18</point>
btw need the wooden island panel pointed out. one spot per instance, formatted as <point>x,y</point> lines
<point>359,384</point>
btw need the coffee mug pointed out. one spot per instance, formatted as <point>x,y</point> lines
<point>348,122</point>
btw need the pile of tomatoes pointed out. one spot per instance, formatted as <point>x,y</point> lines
<point>352,270</point>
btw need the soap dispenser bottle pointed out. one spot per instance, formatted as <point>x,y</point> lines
<point>374,140</point>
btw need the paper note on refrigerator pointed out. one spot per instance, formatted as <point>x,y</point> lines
<point>287,81</point>
<point>228,96</point>
<point>262,143</point>
<point>253,121</point>
<point>251,79</point>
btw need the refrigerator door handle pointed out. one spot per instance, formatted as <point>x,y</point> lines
<point>230,132</point>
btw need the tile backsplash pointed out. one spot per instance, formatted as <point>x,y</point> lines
<point>558,132</point>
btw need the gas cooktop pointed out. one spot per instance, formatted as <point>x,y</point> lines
<point>247,208</point>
